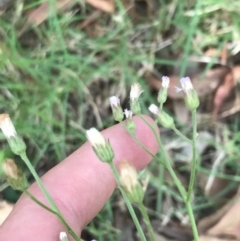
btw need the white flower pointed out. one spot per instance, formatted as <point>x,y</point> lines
<point>186,84</point>
<point>7,126</point>
<point>128,113</point>
<point>128,176</point>
<point>136,91</point>
<point>165,82</point>
<point>63,236</point>
<point>95,137</point>
<point>114,101</point>
<point>154,109</point>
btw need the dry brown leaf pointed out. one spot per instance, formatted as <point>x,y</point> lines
<point>206,223</point>
<point>223,92</point>
<point>40,14</point>
<point>209,238</point>
<point>5,210</point>
<point>229,224</point>
<point>104,5</point>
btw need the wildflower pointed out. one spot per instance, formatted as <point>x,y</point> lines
<point>130,183</point>
<point>14,175</point>
<point>101,146</point>
<point>116,108</point>
<point>63,236</point>
<point>162,94</point>
<point>191,97</point>
<point>136,91</point>
<point>164,119</point>
<point>128,113</point>
<point>16,143</point>
<point>130,123</point>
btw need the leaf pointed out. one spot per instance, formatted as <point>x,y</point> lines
<point>104,5</point>
<point>40,14</point>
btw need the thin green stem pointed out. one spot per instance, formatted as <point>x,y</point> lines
<point>141,145</point>
<point>54,209</point>
<point>192,220</point>
<point>175,178</point>
<point>181,135</point>
<point>128,203</point>
<point>147,220</point>
<point>182,192</point>
<point>39,203</point>
<point>160,191</point>
<point>194,158</point>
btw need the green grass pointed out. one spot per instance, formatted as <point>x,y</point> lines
<point>56,79</point>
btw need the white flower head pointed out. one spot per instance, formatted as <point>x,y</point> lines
<point>95,137</point>
<point>154,109</point>
<point>186,84</point>
<point>114,101</point>
<point>7,126</point>
<point>128,176</point>
<point>63,236</point>
<point>128,113</point>
<point>10,169</point>
<point>165,82</point>
<point>136,91</point>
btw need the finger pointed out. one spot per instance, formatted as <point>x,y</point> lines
<point>80,185</point>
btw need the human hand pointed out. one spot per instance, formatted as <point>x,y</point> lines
<point>80,186</point>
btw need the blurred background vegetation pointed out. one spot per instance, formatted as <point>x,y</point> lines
<point>60,61</point>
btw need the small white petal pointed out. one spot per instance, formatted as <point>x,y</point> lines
<point>7,126</point>
<point>136,91</point>
<point>63,236</point>
<point>186,84</point>
<point>154,109</point>
<point>165,82</point>
<point>128,113</point>
<point>95,137</point>
<point>177,89</point>
<point>114,101</point>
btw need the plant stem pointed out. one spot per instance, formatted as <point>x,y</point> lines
<point>147,221</point>
<point>194,158</point>
<point>54,209</point>
<point>128,203</point>
<point>181,135</point>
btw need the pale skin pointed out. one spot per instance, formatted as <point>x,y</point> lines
<point>80,185</point>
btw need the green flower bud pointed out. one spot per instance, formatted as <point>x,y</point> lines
<point>130,183</point>
<point>162,95</point>
<point>116,108</point>
<point>136,91</point>
<point>164,119</point>
<point>191,97</point>
<point>131,126</point>
<point>101,147</point>
<point>16,143</point>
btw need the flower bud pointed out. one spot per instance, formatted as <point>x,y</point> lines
<point>101,147</point>
<point>162,94</point>
<point>191,97</point>
<point>131,126</point>
<point>164,119</point>
<point>16,143</point>
<point>116,108</point>
<point>14,175</point>
<point>136,91</point>
<point>130,183</point>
